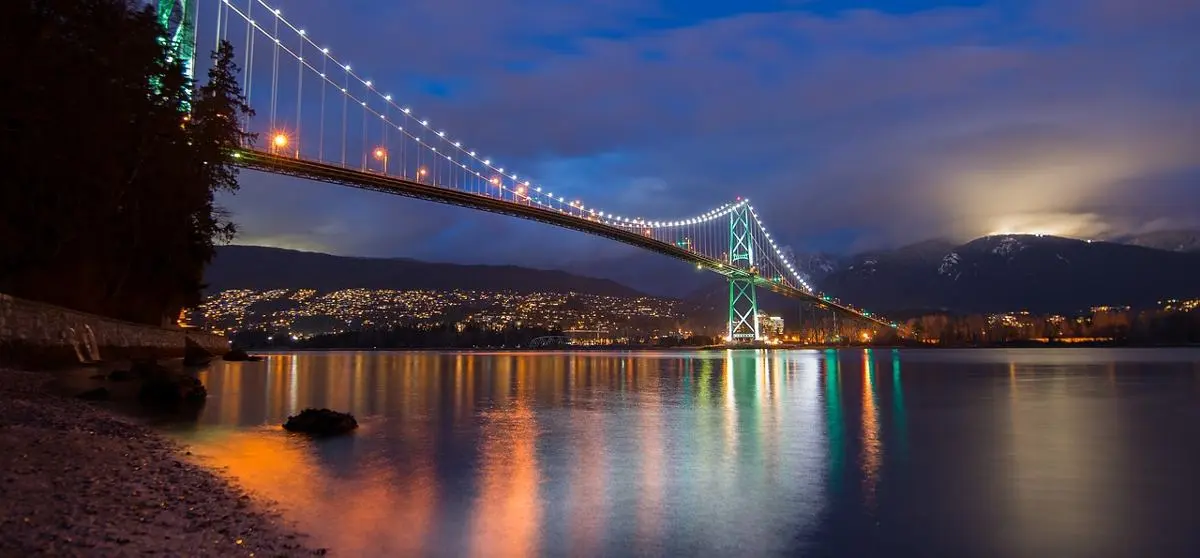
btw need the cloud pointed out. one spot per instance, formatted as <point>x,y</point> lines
<point>1081,117</point>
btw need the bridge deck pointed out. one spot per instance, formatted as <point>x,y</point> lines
<point>333,174</point>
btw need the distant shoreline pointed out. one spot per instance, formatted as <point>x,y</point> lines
<point>585,348</point>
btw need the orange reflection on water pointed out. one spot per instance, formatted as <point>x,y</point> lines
<point>358,515</point>
<point>506,518</point>
<point>872,446</point>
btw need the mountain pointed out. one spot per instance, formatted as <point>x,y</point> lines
<point>1173,241</point>
<point>646,272</point>
<point>262,268</point>
<point>1011,272</point>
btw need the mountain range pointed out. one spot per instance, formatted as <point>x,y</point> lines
<point>262,268</point>
<point>988,274</point>
<point>1012,272</point>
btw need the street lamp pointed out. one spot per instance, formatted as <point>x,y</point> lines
<point>381,154</point>
<point>279,141</point>
<point>420,174</point>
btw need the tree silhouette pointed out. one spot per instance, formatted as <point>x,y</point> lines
<point>107,199</point>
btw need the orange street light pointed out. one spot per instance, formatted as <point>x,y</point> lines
<point>381,154</point>
<point>280,140</point>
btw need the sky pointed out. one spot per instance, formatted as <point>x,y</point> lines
<point>850,124</point>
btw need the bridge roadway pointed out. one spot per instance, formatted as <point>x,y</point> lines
<point>334,174</point>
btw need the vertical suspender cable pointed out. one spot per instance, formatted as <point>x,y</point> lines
<point>299,90</point>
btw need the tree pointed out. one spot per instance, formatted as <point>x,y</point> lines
<point>107,204</point>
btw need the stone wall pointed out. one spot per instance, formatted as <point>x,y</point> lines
<point>34,334</point>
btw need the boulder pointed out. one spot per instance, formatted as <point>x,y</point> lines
<point>98,394</point>
<point>148,368</point>
<point>321,422</point>
<point>172,390</point>
<point>120,375</point>
<point>194,354</point>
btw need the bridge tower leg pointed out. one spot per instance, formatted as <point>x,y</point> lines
<point>743,301</point>
<point>178,19</point>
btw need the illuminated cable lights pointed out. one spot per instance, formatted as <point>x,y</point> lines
<point>348,69</point>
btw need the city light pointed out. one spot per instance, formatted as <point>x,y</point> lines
<point>380,153</point>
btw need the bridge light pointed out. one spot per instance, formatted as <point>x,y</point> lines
<point>303,32</point>
<point>280,140</point>
<point>425,123</point>
<point>538,189</point>
<point>501,169</point>
<point>442,134</point>
<point>368,83</point>
<point>421,172</point>
<point>347,68</point>
<point>471,153</point>
<point>406,110</point>
<point>325,50</point>
<point>487,161</point>
<point>387,98</point>
<point>457,144</point>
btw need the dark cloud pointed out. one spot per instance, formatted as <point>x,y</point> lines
<point>1063,116</point>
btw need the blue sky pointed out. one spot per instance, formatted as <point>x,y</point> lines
<point>853,124</point>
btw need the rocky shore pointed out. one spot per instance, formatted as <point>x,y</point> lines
<point>76,480</point>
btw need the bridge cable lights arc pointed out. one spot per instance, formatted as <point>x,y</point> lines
<point>698,239</point>
<point>223,19</point>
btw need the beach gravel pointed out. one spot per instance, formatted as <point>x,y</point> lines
<point>78,480</point>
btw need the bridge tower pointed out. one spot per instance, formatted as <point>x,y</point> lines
<point>178,19</point>
<point>743,302</point>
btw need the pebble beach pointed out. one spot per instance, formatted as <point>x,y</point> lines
<point>78,480</point>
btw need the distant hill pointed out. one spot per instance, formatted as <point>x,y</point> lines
<point>1010,272</point>
<point>262,268</point>
<point>1173,241</point>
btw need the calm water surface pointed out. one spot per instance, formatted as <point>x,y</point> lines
<point>1075,452</point>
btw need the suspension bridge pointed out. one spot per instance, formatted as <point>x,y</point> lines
<point>323,120</point>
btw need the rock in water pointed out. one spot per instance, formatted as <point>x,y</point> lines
<point>172,390</point>
<point>239,355</point>
<point>321,422</point>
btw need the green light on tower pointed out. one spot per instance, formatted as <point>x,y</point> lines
<point>743,302</point>
<point>177,18</point>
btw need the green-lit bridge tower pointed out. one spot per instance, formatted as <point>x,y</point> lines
<point>178,18</point>
<point>743,303</point>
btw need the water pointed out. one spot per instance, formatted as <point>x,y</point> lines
<point>1044,452</point>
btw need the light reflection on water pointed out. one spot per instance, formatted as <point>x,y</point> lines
<point>997,453</point>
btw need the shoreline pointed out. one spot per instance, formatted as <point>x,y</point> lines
<point>80,480</point>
